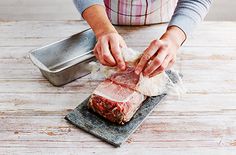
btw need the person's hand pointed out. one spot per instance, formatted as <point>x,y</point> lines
<point>108,50</point>
<point>160,54</point>
<point>109,42</point>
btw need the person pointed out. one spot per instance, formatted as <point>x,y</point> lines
<point>182,15</point>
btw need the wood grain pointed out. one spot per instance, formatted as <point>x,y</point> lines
<point>201,122</point>
<point>38,10</point>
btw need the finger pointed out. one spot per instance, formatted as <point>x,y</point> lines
<point>106,54</point>
<point>171,63</point>
<point>95,52</point>
<point>156,62</point>
<point>162,67</point>
<point>99,55</point>
<point>116,52</point>
<point>148,53</point>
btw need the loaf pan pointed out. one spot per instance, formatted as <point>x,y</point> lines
<point>65,60</point>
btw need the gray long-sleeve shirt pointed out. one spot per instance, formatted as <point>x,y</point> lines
<point>187,14</point>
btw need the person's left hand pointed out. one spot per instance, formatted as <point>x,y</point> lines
<point>160,55</point>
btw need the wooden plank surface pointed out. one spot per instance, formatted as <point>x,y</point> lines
<point>38,10</point>
<point>201,122</point>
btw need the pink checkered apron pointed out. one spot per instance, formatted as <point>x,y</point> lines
<point>139,12</point>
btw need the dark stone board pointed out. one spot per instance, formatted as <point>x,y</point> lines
<point>112,133</point>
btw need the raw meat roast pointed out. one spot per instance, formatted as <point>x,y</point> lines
<point>115,98</point>
<point>122,93</point>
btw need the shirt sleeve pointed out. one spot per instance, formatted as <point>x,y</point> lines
<point>82,5</point>
<point>189,13</point>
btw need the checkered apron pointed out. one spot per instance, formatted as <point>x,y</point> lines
<point>139,12</point>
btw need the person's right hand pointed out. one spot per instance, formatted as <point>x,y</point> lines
<point>108,50</point>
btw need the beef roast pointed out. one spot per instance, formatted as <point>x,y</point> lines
<point>115,99</point>
<point>126,78</point>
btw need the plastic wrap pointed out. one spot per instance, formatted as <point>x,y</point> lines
<point>154,86</point>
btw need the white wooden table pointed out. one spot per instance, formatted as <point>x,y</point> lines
<point>32,111</point>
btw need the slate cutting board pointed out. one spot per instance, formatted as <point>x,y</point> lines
<point>110,132</point>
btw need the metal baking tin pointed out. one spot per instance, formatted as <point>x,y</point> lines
<point>65,60</point>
